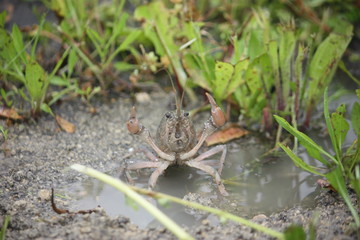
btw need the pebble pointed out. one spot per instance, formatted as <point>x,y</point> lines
<point>44,195</point>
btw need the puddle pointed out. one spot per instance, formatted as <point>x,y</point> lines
<point>264,185</point>
<point>256,187</point>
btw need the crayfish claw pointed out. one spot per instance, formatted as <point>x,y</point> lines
<point>216,112</point>
<point>133,124</point>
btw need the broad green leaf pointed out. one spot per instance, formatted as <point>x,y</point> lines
<point>324,63</point>
<point>238,76</point>
<point>340,126</point>
<point>18,42</point>
<point>256,44</point>
<point>337,180</point>
<point>36,81</point>
<point>223,74</point>
<point>192,31</point>
<point>299,162</point>
<point>312,148</point>
<point>239,49</point>
<point>355,118</point>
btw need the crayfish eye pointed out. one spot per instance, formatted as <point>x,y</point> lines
<point>168,115</point>
<point>186,114</point>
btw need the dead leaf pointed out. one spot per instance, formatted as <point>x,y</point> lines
<point>225,135</point>
<point>9,113</point>
<point>65,125</point>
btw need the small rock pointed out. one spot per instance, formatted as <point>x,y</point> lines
<point>142,97</point>
<point>44,195</point>
<point>259,218</point>
<point>20,204</point>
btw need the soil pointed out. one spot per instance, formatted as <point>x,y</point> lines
<point>36,157</point>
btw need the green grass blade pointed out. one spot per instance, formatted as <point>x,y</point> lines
<point>299,162</point>
<point>312,148</point>
<point>124,45</point>
<point>330,126</point>
<point>355,118</point>
<point>336,179</point>
<point>116,183</point>
<point>4,227</point>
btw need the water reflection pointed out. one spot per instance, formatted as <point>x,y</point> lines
<point>256,186</point>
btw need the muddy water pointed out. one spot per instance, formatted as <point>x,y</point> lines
<point>256,185</point>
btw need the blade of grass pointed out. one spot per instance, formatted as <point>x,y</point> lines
<point>299,162</point>
<point>331,129</point>
<point>4,227</point>
<point>313,149</point>
<point>116,183</point>
<point>336,179</point>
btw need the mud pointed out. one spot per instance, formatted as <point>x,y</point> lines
<point>37,155</point>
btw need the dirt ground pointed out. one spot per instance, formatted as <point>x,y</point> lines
<point>36,157</point>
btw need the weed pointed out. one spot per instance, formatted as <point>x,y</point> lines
<point>343,167</point>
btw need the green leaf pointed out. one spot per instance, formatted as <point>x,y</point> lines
<point>223,74</point>
<point>18,42</point>
<point>238,76</point>
<point>357,91</point>
<point>164,202</point>
<point>350,75</point>
<point>312,148</point>
<point>340,126</point>
<point>336,180</point>
<point>286,52</point>
<point>124,66</point>
<point>36,82</point>
<point>125,44</point>
<point>72,60</point>
<point>97,41</point>
<point>256,45</point>
<point>47,109</point>
<point>130,202</point>
<point>294,232</point>
<point>355,118</point>
<point>299,162</point>
<point>330,127</point>
<point>324,63</point>
<point>2,18</point>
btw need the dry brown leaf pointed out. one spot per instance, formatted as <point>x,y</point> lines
<point>65,125</point>
<point>9,113</point>
<point>225,135</point>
